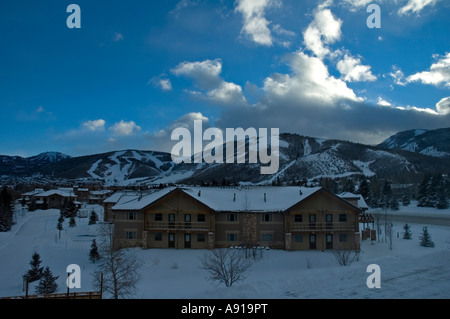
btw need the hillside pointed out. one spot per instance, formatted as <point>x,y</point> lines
<point>434,143</point>
<point>301,158</point>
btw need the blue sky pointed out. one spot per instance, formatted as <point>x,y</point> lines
<point>136,70</point>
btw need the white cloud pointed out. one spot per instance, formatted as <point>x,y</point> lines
<point>206,75</point>
<point>94,126</point>
<point>40,109</point>
<point>353,71</point>
<point>123,128</point>
<point>382,102</point>
<point>357,4</point>
<point>256,26</point>
<point>438,74</point>
<point>443,106</point>
<point>398,76</point>
<point>325,29</point>
<point>118,37</point>
<point>415,6</point>
<point>311,80</point>
<point>161,82</point>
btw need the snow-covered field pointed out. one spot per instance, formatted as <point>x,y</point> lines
<point>407,271</point>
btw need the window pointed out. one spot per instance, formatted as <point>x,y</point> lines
<point>131,215</point>
<point>342,217</point>
<point>201,218</point>
<point>298,238</point>
<point>187,218</point>
<point>158,217</point>
<point>298,218</point>
<point>131,235</point>
<point>267,217</point>
<point>342,237</point>
<point>158,236</point>
<point>231,217</point>
<point>232,237</point>
<point>267,237</point>
<point>201,238</point>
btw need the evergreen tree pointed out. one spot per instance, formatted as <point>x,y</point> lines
<point>393,204</point>
<point>93,218</point>
<point>425,238</point>
<point>72,222</point>
<point>442,202</point>
<point>35,273</point>
<point>407,232</point>
<point>386,194</point>
<point>47,284</point>
<point>33,206</point>
<point>363,188</point>
<point>93,253</point>
<point>6,210</point>
<point>405,200</point>
<point>422,194</point>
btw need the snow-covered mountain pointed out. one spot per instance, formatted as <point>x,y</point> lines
<point>301,158</point>
<point>432,143</point>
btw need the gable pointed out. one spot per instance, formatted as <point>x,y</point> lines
<point>323,200</point>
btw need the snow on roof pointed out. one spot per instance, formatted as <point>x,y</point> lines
<point>250,199</point>
<point>59,192</point>
<point>34,192</point>
<point>233,199</point>
<point>138,200</point>
<point>101,192</point>
<point>361,202</point>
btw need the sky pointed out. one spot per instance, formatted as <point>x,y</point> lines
<point>136,70</point>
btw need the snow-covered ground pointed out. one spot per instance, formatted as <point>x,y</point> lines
<point>407,271</point>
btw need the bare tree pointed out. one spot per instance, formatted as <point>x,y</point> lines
<point>378,218</point>
<point>119,267</point>
<point>225,265</point>
<point>345,257</point>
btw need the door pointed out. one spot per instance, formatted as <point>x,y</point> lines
<point>329,241</point>
<point>312,241</point>
<point>171,220</point>
<point>187,240</point>
<point>171,240</point>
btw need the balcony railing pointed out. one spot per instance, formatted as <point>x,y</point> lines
<point>178,226</point>
<point>322,226</point>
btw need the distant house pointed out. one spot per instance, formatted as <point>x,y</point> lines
<point>54,198</point>
<point>97,197</point>
<point>290,218</point>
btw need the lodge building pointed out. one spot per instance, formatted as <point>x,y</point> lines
<point>289,218</point>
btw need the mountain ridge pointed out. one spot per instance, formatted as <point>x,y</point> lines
<point>301,158</point>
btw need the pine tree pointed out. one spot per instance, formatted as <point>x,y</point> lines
<point>6,210</point>
<point>405,200</point>
<point>422,194</point>
<point>35,273</point>
<point>93,218</point>
<point>441,196</point>
<point>93,253</point>
<point>425,238</point>
<point>47,284</point>
<point>363,188</point>
<point>72,222</point>
<point>407,233</point>
<point>393,204</point>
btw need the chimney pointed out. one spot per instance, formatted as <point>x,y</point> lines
<point>265,198</point>
<point>234,197</point>
<point>301,193</point>
<point>199,193</point>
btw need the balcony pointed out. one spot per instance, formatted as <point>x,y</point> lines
<point>173,226</point>
<point>322,226</point>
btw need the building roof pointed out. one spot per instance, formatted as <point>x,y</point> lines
<point>224,199</point>
<point>60,192</point>
<point>361,202</point>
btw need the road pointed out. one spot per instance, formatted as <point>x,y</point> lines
<point>430,220</point>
